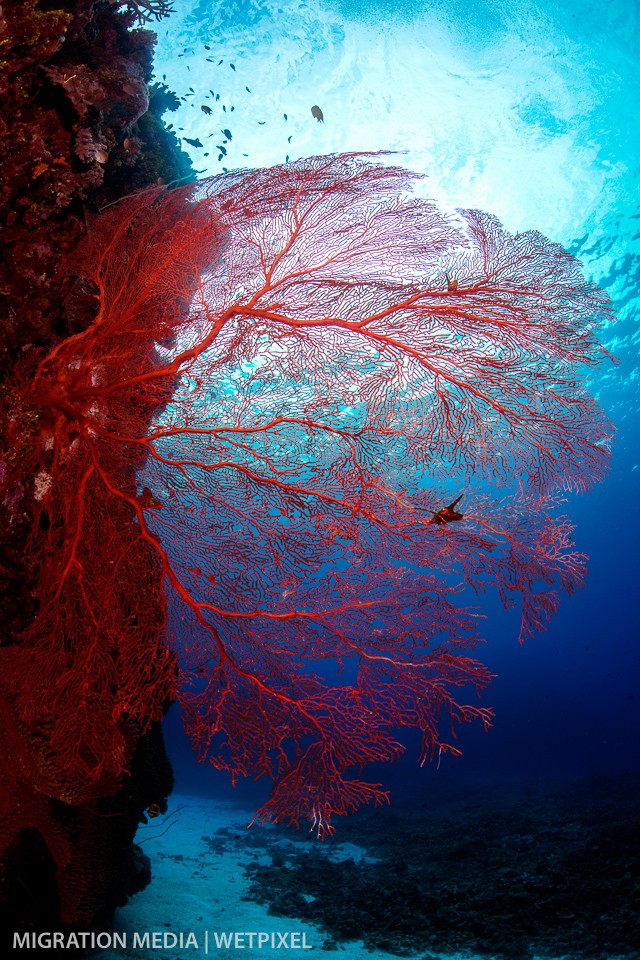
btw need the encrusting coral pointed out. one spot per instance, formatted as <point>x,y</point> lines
<point>76,132</point>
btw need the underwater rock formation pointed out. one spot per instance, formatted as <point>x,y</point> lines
<point>74,93</point>
<point>79,127</point>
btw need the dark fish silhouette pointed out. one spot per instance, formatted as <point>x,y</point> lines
<point>227,134</point>
<point>247,89</point>
<point>194,143</point>
<point>221,149</point>
<point>284,115</point>
<point>447,514</point>
<point>317,113</point>
<point>232,66</point>
<point>206,109</point>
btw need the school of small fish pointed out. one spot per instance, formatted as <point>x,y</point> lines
<point>221,147</point>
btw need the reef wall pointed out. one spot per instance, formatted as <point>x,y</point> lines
<point>80,127</point>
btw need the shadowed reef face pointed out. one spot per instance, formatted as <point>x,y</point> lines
<point>74,102</point>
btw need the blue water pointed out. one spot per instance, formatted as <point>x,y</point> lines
<point>528,110</point>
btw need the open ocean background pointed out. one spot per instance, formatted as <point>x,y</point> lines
<point>530,111</point>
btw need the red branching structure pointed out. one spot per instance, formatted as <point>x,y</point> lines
<point>247,460</point>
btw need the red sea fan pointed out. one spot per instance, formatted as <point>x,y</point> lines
<point>291,373</point>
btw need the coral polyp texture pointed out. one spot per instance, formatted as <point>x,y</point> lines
<point>252,463</point>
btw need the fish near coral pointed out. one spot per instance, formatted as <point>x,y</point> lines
<point>447,514</point>
<point>132,144</point>
<point>317,113</point>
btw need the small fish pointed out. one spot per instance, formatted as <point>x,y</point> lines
<point>194,143</point>
<point>227,134</point>
<point>206,109</point>
<point>207,47</point>
<point>210,60</point>
<point>317,113</point>
<point>284,115</point>
<point>221,149</point>
<point>262,122</point>
<point>247,89</point>
<point>446,514</point>
<point>224,108</point>
<point>286,159</point>
<point>231,108</point>
<point>232,66</point>
<point>217,96</point>
<point>289,139</point>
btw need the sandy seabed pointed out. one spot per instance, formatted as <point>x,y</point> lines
<point>199,887</point>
